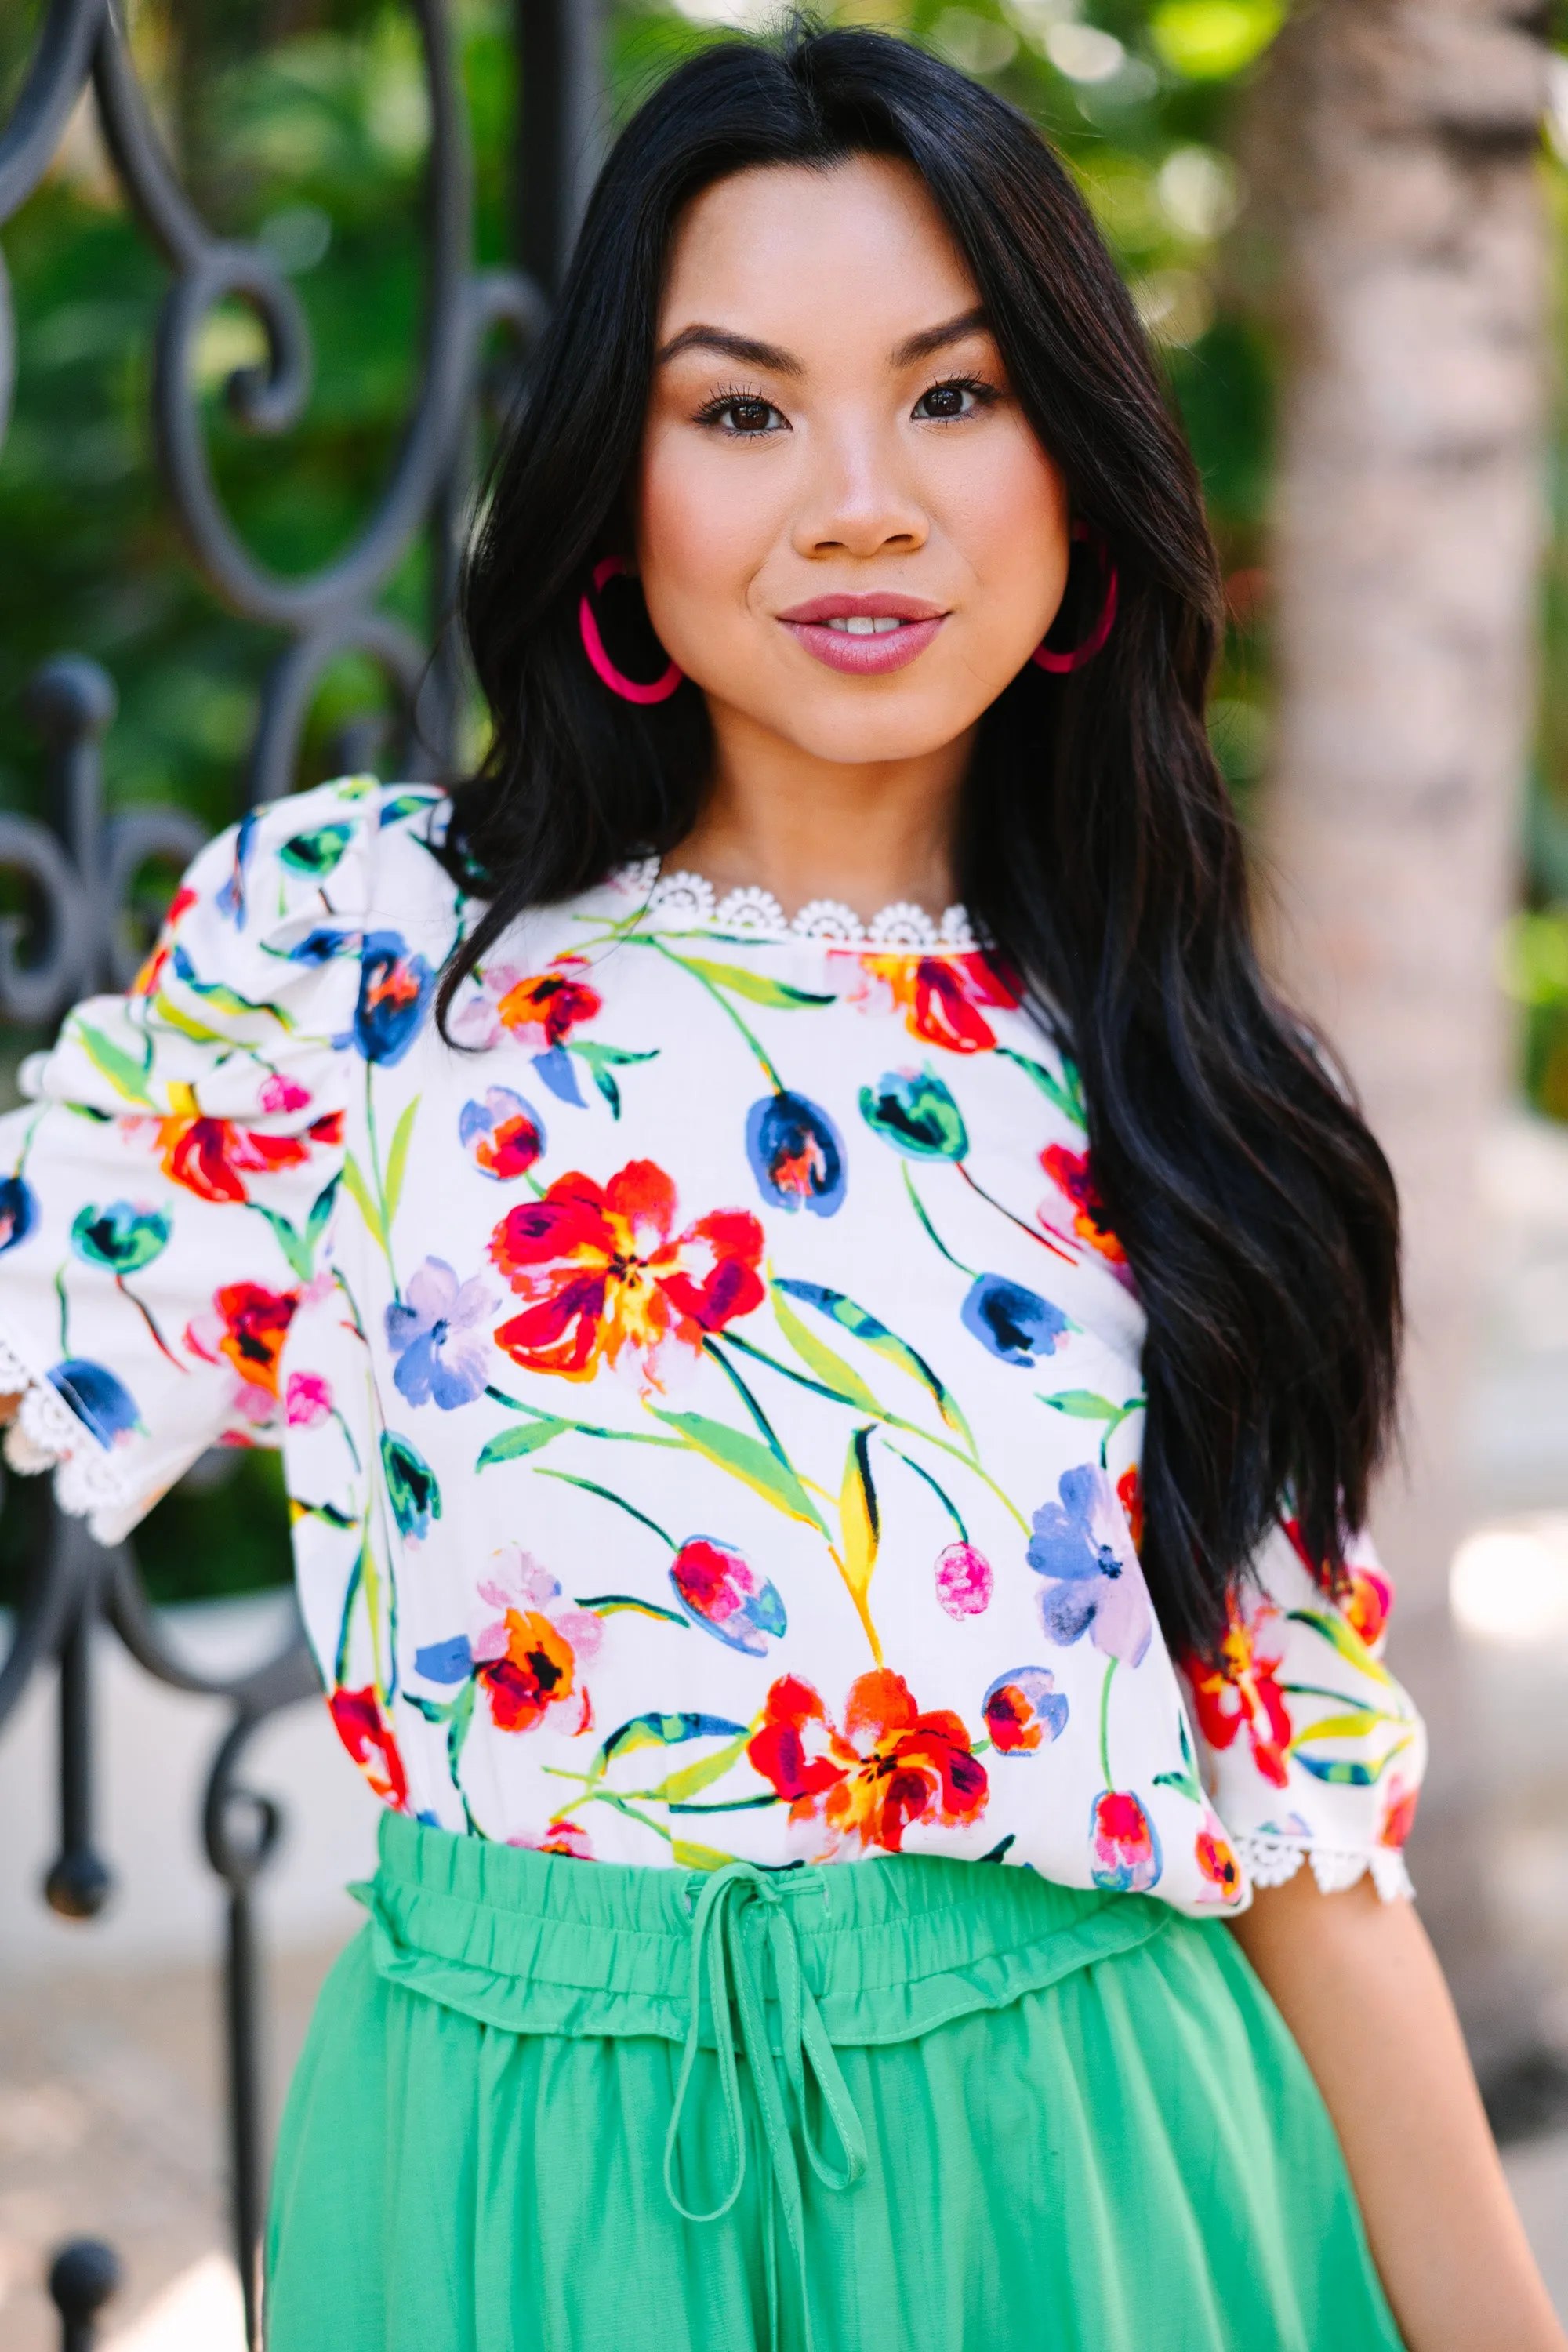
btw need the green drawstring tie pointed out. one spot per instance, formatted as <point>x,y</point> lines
<point>718,1937</point>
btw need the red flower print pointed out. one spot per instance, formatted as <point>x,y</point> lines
<point>1364,1595</point>
<point>1398,1814</point>
<point>601,1269</point>
<point>1217,1861</point>
<point>545,1007</point>
<point>211,1157</point>
<point>1130,1495</point>
<point>1069,1172</point>
<point>146,980</point>
<point>248,1325</point>
<point>365,1729</point>
<point>888,1768</point>
<point>1124,1845</point>
<point>1242,1690</point>
<point>939,996</point>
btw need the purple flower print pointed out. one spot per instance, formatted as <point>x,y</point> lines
<point>442,1358</point>
<point>1083,1545</point>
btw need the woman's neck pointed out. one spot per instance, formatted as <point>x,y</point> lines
<point>868,835</point>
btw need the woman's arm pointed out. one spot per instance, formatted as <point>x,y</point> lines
<point>1359,1985</point>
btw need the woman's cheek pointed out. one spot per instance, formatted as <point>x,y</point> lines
<point>698,546</point>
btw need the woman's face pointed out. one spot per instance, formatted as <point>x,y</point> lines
<point>846,532</point>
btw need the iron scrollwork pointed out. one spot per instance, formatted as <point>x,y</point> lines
<point>80,865</point>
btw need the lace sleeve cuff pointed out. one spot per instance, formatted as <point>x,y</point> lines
<point>1271,1861</point>
<point>90,1483</point>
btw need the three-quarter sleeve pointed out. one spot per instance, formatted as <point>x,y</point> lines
<point>167,1191</point>
<point>1307,1747</point>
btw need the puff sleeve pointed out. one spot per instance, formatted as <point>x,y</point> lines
<point>1307,1747</point>
<point>167,1192</point>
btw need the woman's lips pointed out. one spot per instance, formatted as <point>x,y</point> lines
<point>865,634</point>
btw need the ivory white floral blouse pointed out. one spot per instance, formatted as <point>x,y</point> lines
<point>710,1402</point>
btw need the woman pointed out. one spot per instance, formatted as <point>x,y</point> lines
<point>732,1346</point>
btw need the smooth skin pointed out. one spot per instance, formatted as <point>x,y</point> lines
<point>829,414</point>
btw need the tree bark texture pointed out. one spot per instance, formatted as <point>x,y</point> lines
<point>1393,148</point>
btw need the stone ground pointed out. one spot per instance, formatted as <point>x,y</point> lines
<point>111,2126</point>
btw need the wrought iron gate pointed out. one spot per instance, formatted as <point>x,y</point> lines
<point>80,865</point>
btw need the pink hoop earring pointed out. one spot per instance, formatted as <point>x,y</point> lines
<point>1059,664</point>
<point>609,568</point>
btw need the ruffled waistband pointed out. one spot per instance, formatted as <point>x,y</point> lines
<point>888,1950</point>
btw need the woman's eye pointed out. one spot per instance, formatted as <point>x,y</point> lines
<point>945,401</point>
<point>743,417</point>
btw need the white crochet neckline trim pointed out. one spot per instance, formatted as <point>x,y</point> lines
<point>1270,1861</point>
<point>691,898</point>
<point>90,1483</point>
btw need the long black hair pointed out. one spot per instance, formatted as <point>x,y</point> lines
<point>1098,847</point>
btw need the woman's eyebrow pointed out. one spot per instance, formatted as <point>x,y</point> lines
<point>936,339</point>
<point>732,347</point>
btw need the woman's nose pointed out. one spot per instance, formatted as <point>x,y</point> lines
<point>859,502</point>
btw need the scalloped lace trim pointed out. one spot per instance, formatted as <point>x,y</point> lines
<point>1271,1861</point>
<point>47,1435</point>
<point>691,899</point>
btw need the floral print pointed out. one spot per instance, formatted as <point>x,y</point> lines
<point>602,1273</point>
<point>888,1767</point>
<point>703,1439</point>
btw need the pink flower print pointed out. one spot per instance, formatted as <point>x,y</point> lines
<point>963,1581</point>
<point>281,1094</point>
<point>568,1838</point>
<point>307,1401</point>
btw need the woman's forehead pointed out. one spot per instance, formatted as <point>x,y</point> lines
<point>798,256</point>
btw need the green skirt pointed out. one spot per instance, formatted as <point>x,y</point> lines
<point>911,2105</point>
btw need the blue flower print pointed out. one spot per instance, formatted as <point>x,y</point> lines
<point>445,1662</point>
<point>796,1154</point>
<point>1016,1324</point>
<point>395,989</point>
<point>442,1358</point>
<point>503,1135</point>
<point>97,1397</point>
<point>230,900</point>
<point>18,1211</point>
<point>1024,1711</point>
<point>122,1238</point>
<point>411,1487</point>
<point>913,1111</point>
<point>1082,1543</point>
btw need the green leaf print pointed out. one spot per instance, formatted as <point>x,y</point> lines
<point>513,1444</point>
<point>397,1160</point>
<point>1082,1404</point>
<point>1066,1093</point>
<point>748,1459</point>
<point>655,1731</point>
<point>754,985</point>
<point>126,1075</point>
<point>830,1368</point>
<point>693,1779</point>
<point>360,1193</point>
<point>862,1325</point>
<point>1343,1638</point>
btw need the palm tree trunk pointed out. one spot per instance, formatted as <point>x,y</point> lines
<point>1393,148</point>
